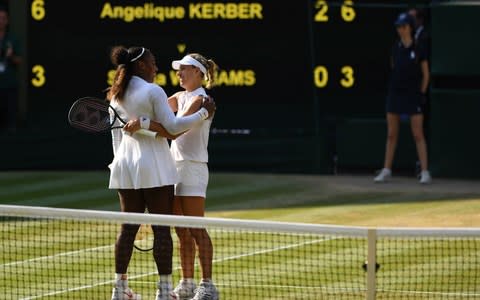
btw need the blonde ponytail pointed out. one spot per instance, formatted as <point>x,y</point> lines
<point>211,67</point>
<point>211,73</point>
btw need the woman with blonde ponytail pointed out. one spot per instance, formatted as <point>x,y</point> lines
<point>191,157</point>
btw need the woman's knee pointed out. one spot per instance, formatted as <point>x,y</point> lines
<point>183,233</point>
<point>200,235</point>
<point>392,136</point>
<point>129,230</point>
<point>417,133</point>
<point>418,136</point>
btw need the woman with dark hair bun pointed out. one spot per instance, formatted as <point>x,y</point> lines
<point>143,171</point>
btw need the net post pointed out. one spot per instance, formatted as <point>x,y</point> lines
<point>371,263</point>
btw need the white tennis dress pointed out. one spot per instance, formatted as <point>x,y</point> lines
<point>142,161</point>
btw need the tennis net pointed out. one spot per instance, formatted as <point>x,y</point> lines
<point>51,253</point>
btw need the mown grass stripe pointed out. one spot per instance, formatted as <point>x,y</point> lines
<point>66,198</point>
<point>31,188</point>
<point>131,278</point>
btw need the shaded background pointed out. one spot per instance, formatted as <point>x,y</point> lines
<point>292,119</point>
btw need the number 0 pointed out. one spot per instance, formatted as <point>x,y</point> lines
<point>320,76</point>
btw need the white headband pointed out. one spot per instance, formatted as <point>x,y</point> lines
<point>187,60</point>
<point>140,55</point>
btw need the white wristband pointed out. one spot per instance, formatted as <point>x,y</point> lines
<point>203,113</point>
<point>144,123</point>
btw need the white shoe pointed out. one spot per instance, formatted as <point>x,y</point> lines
<point>120,293</point>
<point>206,291</point>
<point>165,292</point>
<point>425,177</point>
<point>185,289</point>
<point>384,175</point>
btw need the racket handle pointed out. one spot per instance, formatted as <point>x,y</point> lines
<point>147,132</point>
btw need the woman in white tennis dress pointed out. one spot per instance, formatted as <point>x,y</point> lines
<point>142,169</point>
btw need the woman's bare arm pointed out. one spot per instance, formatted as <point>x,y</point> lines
<point>173,101</point>
<point>194,106</point>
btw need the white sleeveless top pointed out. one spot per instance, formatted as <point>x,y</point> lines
<point>193,144</point>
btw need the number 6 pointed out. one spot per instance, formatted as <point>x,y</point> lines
<point>38,10</point>
<point>348,13</point>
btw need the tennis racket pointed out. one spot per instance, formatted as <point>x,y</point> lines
<point>144,238</point>
<point>95,115</point>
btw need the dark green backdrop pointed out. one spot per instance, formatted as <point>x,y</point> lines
<point>292,119</point>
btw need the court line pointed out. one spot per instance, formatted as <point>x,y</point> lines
<point>54,256</point>
<point>131,278</point>
<point>299,287</point>
<point>259,252</point>
<point>303,287</point>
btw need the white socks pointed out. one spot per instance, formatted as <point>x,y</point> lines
<point>120,282</point>
<point>188,280</point>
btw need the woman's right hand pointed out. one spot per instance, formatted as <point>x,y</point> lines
<point>132,126</point>
<point>209,105</point>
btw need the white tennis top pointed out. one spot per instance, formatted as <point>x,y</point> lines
<point>141,161</point>
<point>193,144</point>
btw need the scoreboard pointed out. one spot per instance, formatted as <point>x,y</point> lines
<point>285,66</point>
<point>261,48</point>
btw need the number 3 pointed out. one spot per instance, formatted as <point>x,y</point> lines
<point>348,80</point>
<point>39,79</point>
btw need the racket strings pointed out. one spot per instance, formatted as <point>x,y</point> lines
<point>90,115</point>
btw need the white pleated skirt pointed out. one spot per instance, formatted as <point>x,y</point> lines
<point>142,162</point>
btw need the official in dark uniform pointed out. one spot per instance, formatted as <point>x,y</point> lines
<point>407,88</point>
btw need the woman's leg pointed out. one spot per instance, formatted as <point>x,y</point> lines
<point>416,122</point>
<point>195,206</point>
<point>393,127</point>
<point>186,242</point>
<point>160,201</point>
<point>130,201</point>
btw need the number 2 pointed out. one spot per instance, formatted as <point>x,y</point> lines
<point>321,15</point>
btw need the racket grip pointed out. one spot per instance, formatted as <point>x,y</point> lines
<point>147,132</point>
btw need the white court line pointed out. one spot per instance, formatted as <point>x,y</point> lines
<point>460,294</point>
<point>290,287</point>
<point>54,256</point>
<point>223,260</point>
<point>153,273</point>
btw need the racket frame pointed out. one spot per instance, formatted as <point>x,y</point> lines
<point>105,104</point>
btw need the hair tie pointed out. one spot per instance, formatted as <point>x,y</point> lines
<point>140,55</point>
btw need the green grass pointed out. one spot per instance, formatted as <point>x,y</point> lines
<point>250,265</point>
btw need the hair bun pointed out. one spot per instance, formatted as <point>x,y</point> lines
<point>119,55</point>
